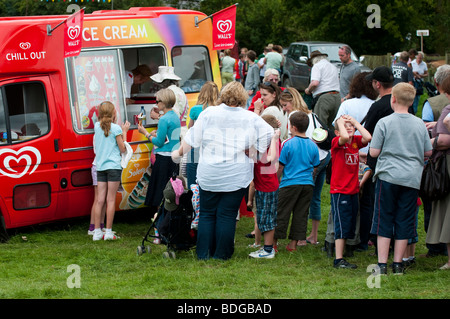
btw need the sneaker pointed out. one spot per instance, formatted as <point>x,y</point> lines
<point>409,262</point>
<point>345,264</point>
<point>110,236</point>
<point>263,254</point>
<point>398,269</point>
<point>97,236</point>
<point>380,270</point>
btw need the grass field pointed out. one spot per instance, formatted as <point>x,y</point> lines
<point>60,261</point>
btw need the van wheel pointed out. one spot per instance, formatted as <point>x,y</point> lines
<point>3,234</point>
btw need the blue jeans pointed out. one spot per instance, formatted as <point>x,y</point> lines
<point>191,166</point>
<point>217,223</point>
<point>314,208</point>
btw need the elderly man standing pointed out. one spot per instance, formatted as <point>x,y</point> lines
<point>349,69</point>
<point>433,106</point>
<point>324,87</point>
<point>420,71</point>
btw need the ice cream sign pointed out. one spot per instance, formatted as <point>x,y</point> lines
<point>25,52</point>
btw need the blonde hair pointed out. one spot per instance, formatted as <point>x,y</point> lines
<point>293,96</point>
<point>233,94</point>
<point>167,97</point>
<point>106,113</point>
<point>208,94</point>
<point>404,93</point>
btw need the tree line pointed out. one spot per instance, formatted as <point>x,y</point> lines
<point>284,21</point>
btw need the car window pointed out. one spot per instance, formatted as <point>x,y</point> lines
<point>24,108</point>
<point>296,53</point>
<point>304,51</point>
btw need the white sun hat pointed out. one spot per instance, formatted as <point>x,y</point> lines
<point>164,73</point>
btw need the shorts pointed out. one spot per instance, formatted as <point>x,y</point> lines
<point>395,210</point>
<point>94,174</point>
<point>109,175</point>
<point>266,210</point>
<point>345,211</point>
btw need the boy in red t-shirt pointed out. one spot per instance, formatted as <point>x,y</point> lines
<point>344,185</point>
<point>266,185</point>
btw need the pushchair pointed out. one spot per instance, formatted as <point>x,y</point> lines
<point>173,223</point>
<point>431,89</point>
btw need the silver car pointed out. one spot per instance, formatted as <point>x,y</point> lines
<point>297,74</point>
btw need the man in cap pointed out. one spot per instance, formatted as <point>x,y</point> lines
<point>382,81</point>
<point>324,87</point>
<point>137,76</point>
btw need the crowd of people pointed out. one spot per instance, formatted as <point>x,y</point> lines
<point>257,141</point>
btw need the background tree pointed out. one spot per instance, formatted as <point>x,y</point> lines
<point>284,21</point>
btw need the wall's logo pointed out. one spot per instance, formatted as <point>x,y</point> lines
<point>30,155</point>
<point>224,26</point>
<point>73,32</point>
<point>25,45</point>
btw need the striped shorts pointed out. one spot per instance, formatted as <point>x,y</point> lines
<point>266,210</point>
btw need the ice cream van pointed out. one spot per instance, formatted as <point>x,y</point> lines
<point>48,103</point>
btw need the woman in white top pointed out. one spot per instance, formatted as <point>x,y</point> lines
<point>270,96</point>
<point>225,134</point>
<point>292,102</point>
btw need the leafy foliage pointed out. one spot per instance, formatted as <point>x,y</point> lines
<point>285,21</point>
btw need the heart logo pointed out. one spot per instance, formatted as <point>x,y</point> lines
<point>73,32</point>
<point>25,45</point>
<point>29,154</point>
<point>224,26</point>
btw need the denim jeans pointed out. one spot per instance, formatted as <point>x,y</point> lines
<point>191,166</point>
<point>314,208</point>
<point>217,223</point>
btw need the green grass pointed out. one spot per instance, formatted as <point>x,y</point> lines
<point>36,266</point>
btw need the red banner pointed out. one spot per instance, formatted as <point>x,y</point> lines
<point>72,34</point>
<point>224,28</point>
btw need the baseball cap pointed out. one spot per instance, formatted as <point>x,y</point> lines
<point>382,74</point>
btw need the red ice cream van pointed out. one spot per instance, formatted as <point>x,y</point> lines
<point>48,103</point>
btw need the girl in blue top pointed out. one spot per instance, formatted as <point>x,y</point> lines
<point>208,96</point>
<point>109,141</point>
<point>165,139</point>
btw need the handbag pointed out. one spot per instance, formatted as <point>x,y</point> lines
<point>435,183</point>
<point>322,136</point>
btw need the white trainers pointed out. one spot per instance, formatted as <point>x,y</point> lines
<point>110,236</point>
<point>98,235</point>
<point>263,254</point>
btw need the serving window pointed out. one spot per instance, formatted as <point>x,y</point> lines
<point>193,66</point>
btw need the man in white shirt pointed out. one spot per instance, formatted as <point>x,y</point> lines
<point>324,87</point>
<point>420,71</point>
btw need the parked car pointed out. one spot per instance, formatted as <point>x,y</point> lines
<point>297,74</point>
